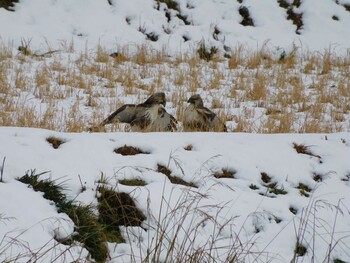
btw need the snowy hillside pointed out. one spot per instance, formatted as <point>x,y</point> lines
<point>252,196</point>
<point>268,66</point>
<point>179,25</point>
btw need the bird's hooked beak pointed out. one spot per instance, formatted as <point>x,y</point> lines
<point>190,100</point>
<point>163,103</point>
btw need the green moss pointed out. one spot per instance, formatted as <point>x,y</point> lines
<point>132,182</point>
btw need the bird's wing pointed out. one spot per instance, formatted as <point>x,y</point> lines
<point>126,114</point>
<point>212,120</point>
<point>143,118</point>
<point>207,114</point>
<point>164,121</point>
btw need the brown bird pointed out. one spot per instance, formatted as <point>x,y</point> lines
<point>199,118</point>
<point>149,116</point>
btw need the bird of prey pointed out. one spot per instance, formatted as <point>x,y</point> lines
<point>199,118</point>
<point>149,116</point>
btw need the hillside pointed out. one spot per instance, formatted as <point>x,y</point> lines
<point>216,197</point>
<point>179,25</point>
<point>274,188</point>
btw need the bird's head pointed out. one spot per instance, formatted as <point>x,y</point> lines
<point>196,100</point>
<point>156,98</point>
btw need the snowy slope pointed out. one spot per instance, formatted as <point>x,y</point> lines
<point>255,212</point>
<point>48,23</point>
<point>262,224</point>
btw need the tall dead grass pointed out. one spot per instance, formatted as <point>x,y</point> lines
<point>70,90</point>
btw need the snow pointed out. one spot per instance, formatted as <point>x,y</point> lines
<point>30,224</point>
<point>89,155</point>
<point>48,23</point>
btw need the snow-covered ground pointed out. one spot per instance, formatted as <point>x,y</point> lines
<point>263,223</point>
<point>49,23</point>
<point>259,218</point>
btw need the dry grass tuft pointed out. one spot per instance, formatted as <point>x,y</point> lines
<point>225,173</point>
<point>55,142</point>
<point>188,147</point>
<point>304,149</point>
<point>129,150</point>
<point>173,179</point>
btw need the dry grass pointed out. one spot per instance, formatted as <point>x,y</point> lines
<point>71,91</point>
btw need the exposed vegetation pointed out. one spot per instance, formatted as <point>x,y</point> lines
<point>173,179</point>
<point>297,92</point>
<point>91,229</point>
<point>225,173</point>
<point>8,4</point>
<point>206,53</point>
<point>304,149</point>
<point>247,20</point>
<point>129,150</point>
<point>304,189</point>
<point>55,142</point>
<point>132,182</point>
<point>293,14</point>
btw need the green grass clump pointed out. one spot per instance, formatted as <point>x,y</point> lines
<point>52,191</point>
<point>277,191</point>
<point>132,182</point>
<point>89,231</point>
<point>253,187</point>
<point>206,54</point>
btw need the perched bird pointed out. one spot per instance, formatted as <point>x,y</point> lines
<point>149,116</point>
<point>199,118</point>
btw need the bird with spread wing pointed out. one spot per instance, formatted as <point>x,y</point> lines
<point>199,118</point>
<point>149,116</point>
